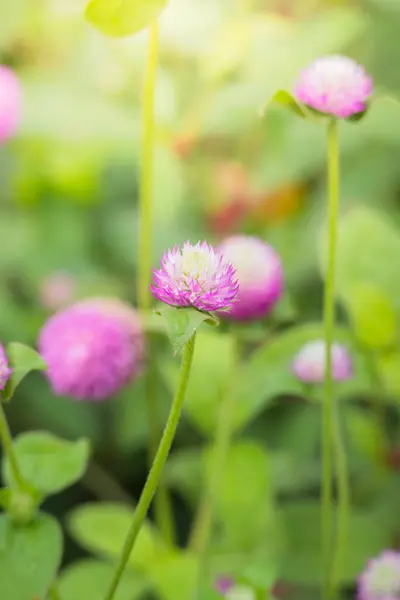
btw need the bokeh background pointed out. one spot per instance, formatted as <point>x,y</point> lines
<point>69,184</point>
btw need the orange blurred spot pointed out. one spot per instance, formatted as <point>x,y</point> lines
<point>278,205</point>
<point>183,144</point>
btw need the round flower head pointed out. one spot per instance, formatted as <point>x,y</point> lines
<point>309,363</point>
<point>260,275</point>
<point>90,351</point>
<point>10,103</point>
<point>381,578</point>
<point>5,370</point>
<point>195,276</point>
<point>334,85</point>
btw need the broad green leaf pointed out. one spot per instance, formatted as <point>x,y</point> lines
<point>286,100</point>
<point>47,462</point>
<point>373,316</point>
<point>119,18</point>
<point>174,574</point>
<point>364,433</point>
<point>302,560</point>
<point>388,366</point>
<point>22,360</point>
<point>182,323</point>
<point>366,239</point>
<point>245,462</point>
<point>29,558</point>
<point>89,579</point>
<point>211,371</point>
<point>102,529</point>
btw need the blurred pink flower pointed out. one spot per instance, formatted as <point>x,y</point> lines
<point>91,351</point>
<point>309,362</point>
<point>334,85</point>
<point>5,371</point>
<point>260,274</point>
<point>10,103</point>
<point>381,578</point>
<point>57,290</point>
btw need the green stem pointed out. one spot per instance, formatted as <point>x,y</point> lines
<point>343,502</point>
<point>163,511</point>
<point>7,442</point>
<point>329,326</point>
<point>157,467</point>
<point>146,175</point>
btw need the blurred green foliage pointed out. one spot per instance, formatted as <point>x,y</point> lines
<point>68,203</point>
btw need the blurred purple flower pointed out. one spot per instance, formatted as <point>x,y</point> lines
<point>196,276</point>
<point>10,103</point>
<point>309,362</point>
<point>381,578</point>
<point>5,371</point>
<point>334,85</point>
<point>260,274</point>
<point>224,584</point>
<point>90,349</point>
<point>57,290</point>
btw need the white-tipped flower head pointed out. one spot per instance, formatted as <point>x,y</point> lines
<point>381,578</point>
<point>334,85</point>
<point>196,276</point>
<point>260,274</point>
<point>309,363</point>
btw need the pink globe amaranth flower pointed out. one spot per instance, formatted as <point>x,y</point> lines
<point>334,85</point>
<point>91,352</point>
<point>309,363</point>
<point>57,290</point>
<point>196,276</point>
<point>10,103</point>
<point>5,371</point>
<point>381,578</point>
<point>260,274</point>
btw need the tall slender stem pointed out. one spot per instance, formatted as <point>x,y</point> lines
<point>343,501</point>
<point>157,467</point>
<point>146,174</point>
<point>162,505</point>
<point>202,526</point>
<point>7,442</point>
<point>329,326</point>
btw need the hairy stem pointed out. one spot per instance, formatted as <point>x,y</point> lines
<point>163,511</point>
<point>155,473</point>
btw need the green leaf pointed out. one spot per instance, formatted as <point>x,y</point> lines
<point>373,316</point>
<point>182,323</point>
<point>47,462</point>
<point>102,529</point>
<point>388,365</point>
<point>378,239</point>
<point>302,560</point>
<point>246,462</point>
<point>286,100</point>
<point>175,571</point>
<point>23,360</point>
<point>119,18</point>
<point>90,578</point>
<point>29,558</point>
<point>208,384</point>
